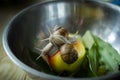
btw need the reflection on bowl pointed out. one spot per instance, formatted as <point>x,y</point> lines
<point>28,27</point>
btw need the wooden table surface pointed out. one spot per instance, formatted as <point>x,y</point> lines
<point>8,70</point>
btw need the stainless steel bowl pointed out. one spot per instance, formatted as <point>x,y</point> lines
<point>29,26</point>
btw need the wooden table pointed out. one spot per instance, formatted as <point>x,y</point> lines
<point>8,70</point>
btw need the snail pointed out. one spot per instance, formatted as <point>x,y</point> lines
<point>45,50</point>
<point>68,53</point>
<point>57,38</point>
<point>60,31</point>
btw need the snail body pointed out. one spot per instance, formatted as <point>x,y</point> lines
<point>45,50</point>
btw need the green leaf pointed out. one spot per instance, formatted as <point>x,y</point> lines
<point>114,54</point>
<point>93,58</point>
<point>108,61</point>
<point>108,54</point>
<point>92,53</point>
<point>100,53</point>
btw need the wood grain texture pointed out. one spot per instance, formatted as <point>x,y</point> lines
<point>9,70</point>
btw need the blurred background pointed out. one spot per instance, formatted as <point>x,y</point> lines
<point>9,8</point>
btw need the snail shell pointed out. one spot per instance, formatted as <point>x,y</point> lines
<point>68,53</point>
<point>61,31</point>
<point>59,36</point>
<point>58,40</point>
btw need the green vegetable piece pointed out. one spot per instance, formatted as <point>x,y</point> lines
<point>93,58</point>
<point>108,61</point>
<point>92,53</point>
<point>88,39</point>
<point>100,53</point>
<point>114,54</point>
<point>109,56</point>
